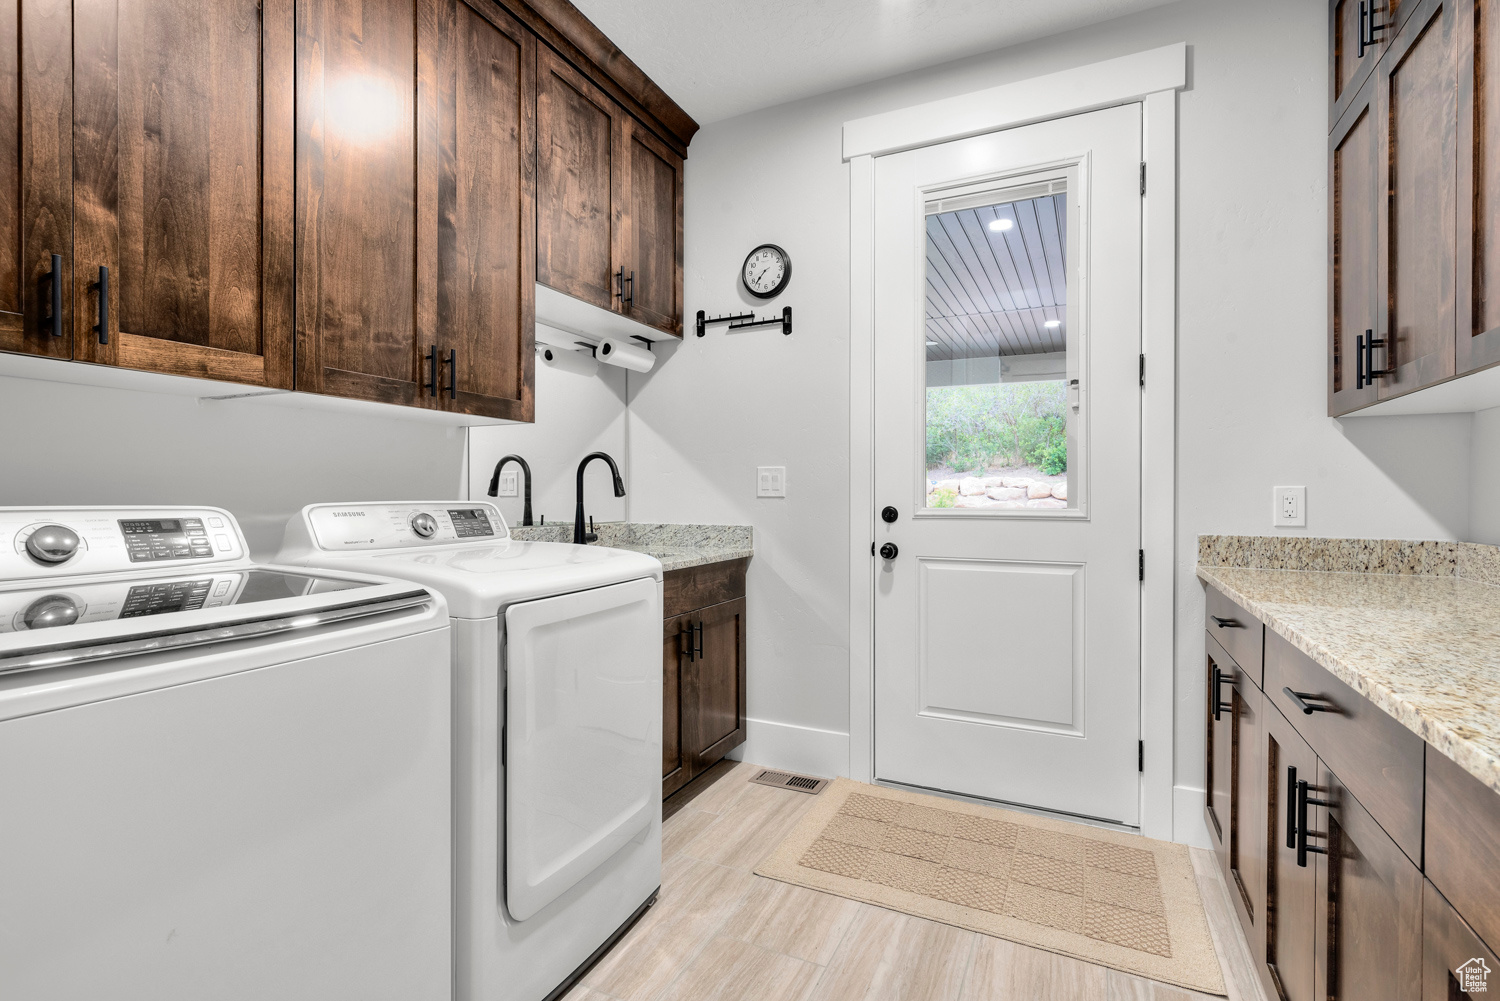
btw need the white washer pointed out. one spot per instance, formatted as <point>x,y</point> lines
<point>217,779</point>
<point>557,661</point>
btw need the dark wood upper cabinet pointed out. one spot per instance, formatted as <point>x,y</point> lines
<point>183,190</point>
<point>36,176</point>
<point>1478,341</point>
<point>476,209</point>
<point>1354,178</point>
<point>654,227</point>
<point>1417,103</point>
<point>580,184</point>
<point>1350,61</point>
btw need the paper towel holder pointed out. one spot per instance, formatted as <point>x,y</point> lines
<point>739,321</point>
<point>593,348</point>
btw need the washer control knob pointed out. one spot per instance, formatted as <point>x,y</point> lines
<point>52,544</point>
<point>424,524</point>
<point>51,610</point>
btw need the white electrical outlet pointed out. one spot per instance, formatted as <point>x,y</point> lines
<point>1289,508</point>
<point>510,483</point>
<point>770,481</point>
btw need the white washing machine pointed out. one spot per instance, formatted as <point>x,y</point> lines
<point>557,729</point>
<point>217,779</point>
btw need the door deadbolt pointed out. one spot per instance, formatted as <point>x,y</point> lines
<point>889,551</point>
<point>888,514</point>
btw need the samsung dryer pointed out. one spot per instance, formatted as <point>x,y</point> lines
<point>557,729</point>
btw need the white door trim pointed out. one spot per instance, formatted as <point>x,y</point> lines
<point>1153,78</point>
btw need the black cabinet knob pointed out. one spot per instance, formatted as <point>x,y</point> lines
<point>888,514</point>
<point>888,551</point>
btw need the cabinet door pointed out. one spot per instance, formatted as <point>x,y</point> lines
<point>358,331</point>
<point>1478,186</point>
<point>1354,197</point>
<point>1287,946</point>
<point>716,698</point>
<point>1247,825</point>
<point>36,175</point>
<point>677,638</point>
<point>1349,62</point>
<point>183,182</point>
<point>580,184</point>
<point>654,225</point>
<point>1456,965</point>
<point>1369,916</point>
<point>476,219</point>
<point>1418,115</point>
<point>1219,771</point>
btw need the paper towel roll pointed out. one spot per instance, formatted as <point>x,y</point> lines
<point>568,361</point>
<point>631,356</point>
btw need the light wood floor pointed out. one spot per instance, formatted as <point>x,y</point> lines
<point>721,933</point>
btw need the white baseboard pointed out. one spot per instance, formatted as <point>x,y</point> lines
<point>1189,825</point>
<point>823,753</point>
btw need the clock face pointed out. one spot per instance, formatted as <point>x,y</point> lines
<point>766,271</point>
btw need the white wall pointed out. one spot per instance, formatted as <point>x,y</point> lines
<point>1252,316</point>
<point>1484,487</point>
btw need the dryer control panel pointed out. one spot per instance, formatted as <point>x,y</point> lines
<point>342,528</point>
<point>56,542</point>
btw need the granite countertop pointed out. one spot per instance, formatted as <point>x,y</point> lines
<point>677,546</point>
<point>1422,644</point>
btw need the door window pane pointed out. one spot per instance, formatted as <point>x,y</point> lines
<point>1001,369</point>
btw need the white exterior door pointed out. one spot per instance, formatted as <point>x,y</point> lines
<point>1007,443</point>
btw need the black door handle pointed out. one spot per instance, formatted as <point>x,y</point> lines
<point>688,632</point>
<point>431,382</point>
<point>1291,806</point>
<point>889,551</point>
<point>452,364</point>
<point>621,280</point>
<point>700,639</point>
<point>1219,678</point>
<point>53,320</point>
<point>888,514</point>
<point>102,287</point>
<point>1303,802</point>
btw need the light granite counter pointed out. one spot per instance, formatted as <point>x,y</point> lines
<point>677,546</point>
<point>1418,638</point>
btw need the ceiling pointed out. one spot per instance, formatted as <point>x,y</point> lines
<point>721,58</point>
<point>996,278</point>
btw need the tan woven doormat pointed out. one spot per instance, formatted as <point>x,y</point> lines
<point>1118,900</point>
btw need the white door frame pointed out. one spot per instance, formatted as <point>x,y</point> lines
<point>1151,78</point>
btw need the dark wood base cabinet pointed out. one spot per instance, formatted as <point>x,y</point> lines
<point>1316,810</point>
<point>703,664</point>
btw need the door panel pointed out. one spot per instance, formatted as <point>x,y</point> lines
<point>717,692</point>
<point>1348,67</point>
<point>1478,182</point>
<point>482,225</point>
<point>1219,768</point>
<point>678,692</point>
<point>654,205</point>
<point>36,177</point>
<point>987,648</point>
<point>580,184</point>
<point>357,249</point>
<point>1369,919</point>
<point>1290,936</point>
<point>1353,275</point>
<point>1456,965</point>
<point>582,736</point>
<point>183,187</point>
<point>1246,858</point>
<point>1418,116</point>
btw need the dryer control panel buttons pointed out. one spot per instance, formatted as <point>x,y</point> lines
<point>471,523</point>
<point>424,524</point>
<point>166,539</point>
<point>57,542</point>
<point>51,544</point>
<point>355,527</point>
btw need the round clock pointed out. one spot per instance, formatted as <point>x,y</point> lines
<point>766,271</point>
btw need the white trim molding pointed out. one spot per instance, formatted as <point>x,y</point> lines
<point>793,748</point>
<point>1151,78</point>
<point>1067,92</point>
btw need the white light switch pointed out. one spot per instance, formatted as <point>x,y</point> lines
<point>1289,507</point>
<point>770,481</point>
<point>509,483</point>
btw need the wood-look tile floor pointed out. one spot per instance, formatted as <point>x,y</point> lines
<point>719,932</point>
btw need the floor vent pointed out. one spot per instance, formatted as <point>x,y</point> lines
<point>789,780</point>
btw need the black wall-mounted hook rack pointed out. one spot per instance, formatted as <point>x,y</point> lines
<point>740,321</point>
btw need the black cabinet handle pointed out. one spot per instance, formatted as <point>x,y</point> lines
<point>1303,802</point>
<point>889,551</point>
<point>1299,699</point>
<point>1219,679</point>
<point>53,320</point>
<point>621,280</point>
<point>1359,351</point>
<point>430,384</point>
<point>889,514</point>
<point>688,632</point>
<point>1223,623</point>
<point>452,364</point>
<point>700,639</point>
<point>1291,806</point>
<point>1368,26</point>
<point>102,287</point>
<point>1370,343</point>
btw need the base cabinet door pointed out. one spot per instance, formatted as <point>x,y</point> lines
<point>1219,770</point>
<point>36,177</point>
<point>1369,915</point>
<point>1286,949</point>
<point>183,187</point>
<point>717,693</point>
<point>678,635</point>
<point>1245,860</point>
<point>1456,965</point>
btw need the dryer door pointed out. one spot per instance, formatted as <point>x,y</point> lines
<point>583,735</point>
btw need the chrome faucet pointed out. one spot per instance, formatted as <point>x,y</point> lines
<point>579,535</point>
<point>526,471</point>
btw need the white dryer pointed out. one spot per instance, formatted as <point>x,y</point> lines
<point>557,729</point>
